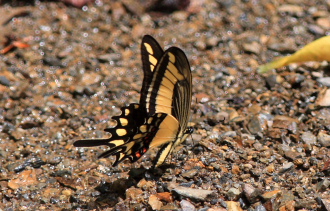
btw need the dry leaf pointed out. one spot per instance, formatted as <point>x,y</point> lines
<point>318,50</point>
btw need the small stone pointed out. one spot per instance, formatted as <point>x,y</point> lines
<point>308,138</point>
<point>169,206</point>
<point>192,193</point>
<point>323,99</point>
<point>23,179</point>
<point>325,203</point>
<point>272,80</point>
<point>253,47</point>
<point>322,185</point>
<point>283,47</point>
<point>287,200</point>
<point>146,185</point>
<point>67,192</point>
<point>285,122</point>
<point>323,138</point>
<point>325,81</point>
<point>165,196</point>
<point>154,202</point>
<point>200,45</point>
<point>286,167</point>
<point>277,133</point>
<point>295,79</point>
<point>292,155</point>
<point>317,30</point>
<point>109,57</point>
<point>91,78</point>
<point>235,169</point>
<point>260,208</point>
<point>4,81</point>
<point>134,194</point>
<point>212,41</point>
<point>251,193</point>
<point>271,194</point>
<point>180,15</point>
<point>202,97</point>
<point>233,194</point>
<point>270,169</point>
<point>323,23</point>
<point>233,206</point>
<point>254,125</point>
<point>52,61</point>
<point>292,9</point>
<point>187,206</point>
<point>299,162</point>
<point>190,174</point>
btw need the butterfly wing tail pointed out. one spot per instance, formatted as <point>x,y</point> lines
<point>91,142</point>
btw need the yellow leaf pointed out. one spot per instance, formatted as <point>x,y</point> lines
<point>318,50</point>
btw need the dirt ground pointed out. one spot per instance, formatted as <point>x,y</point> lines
<point>261,141</point>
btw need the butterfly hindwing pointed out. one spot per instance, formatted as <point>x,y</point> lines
<point>160,126</point>
<point>128,121</point>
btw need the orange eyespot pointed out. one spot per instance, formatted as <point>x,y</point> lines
<point>137,154</point>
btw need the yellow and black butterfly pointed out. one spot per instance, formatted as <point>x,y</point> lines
<point>161,117</point>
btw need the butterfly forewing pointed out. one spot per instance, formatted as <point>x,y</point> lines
<point>170,89</point>
<point>170,92</point>
<point>151,53</point>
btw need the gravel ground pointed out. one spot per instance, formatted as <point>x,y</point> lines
<point>261,142</point>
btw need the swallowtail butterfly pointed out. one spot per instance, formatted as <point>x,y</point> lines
<point>161,117</point>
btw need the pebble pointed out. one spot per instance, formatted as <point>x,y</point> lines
<point>323,98</point>
<point>136,195</point>
<point>325,204</point>
<point>253,47</point>
<point>187,206</point>
<point>233,194</point>
<point>292,9</point>
<point>233,206</point>
<point>190,174</point>
<point>323,185</point>
<point>193,194</point>
<point>23,179</point>
<point>286,167</point>
<point>325,81</point>
<point>323,23</point>
<point>154,202</point>
<point>308,138</point>
<point>165,196</point>
<point>285,122</point>
<point>251,193</point>
<point>4,81</point>
<point>323,138</point>
<point>271,194</point>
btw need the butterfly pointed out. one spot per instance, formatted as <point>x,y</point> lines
<point>161,117</point>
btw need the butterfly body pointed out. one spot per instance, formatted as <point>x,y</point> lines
<point>161,117</point>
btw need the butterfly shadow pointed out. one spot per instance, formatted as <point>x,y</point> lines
<point>110,194</point>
